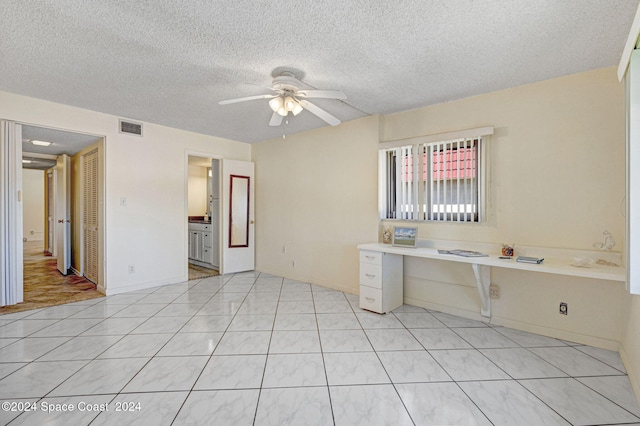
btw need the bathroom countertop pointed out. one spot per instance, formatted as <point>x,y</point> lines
<point>198,219</point>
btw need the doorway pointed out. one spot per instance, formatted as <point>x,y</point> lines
<point>63,257</point>
<point>203,216</point>
<point>230,204</point>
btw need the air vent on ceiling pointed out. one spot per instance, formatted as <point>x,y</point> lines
<point>131,128</point>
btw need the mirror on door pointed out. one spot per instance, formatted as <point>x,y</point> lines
<point>239,211</point>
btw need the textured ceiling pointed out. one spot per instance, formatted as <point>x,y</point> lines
<point>171,61</point>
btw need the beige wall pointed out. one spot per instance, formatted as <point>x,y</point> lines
<point>150,232</point>
<point>33,207</point>
<point>557,168</point>
<point>316,199</point>
<point>557,173</point>
<point>556,179</point>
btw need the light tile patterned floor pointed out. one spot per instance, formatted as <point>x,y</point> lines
<point>256,349</point>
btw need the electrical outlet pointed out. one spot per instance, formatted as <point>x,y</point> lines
<point>564,308</point>
<point>132,269</point>
<point>494,291</point>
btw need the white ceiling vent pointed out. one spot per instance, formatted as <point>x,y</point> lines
<point>130,127</point>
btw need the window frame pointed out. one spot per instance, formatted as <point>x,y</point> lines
<point>385,171</point>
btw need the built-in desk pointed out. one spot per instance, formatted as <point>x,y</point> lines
<point>556,261</point>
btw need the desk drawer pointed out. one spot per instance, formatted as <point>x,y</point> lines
<point>371,275</point>
<point>371,299</point>
<point>368,256</point>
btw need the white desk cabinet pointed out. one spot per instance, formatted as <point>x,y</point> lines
<point>380,281</point>
<point>378,276</point>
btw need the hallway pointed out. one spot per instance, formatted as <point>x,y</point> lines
<point>45,286</point>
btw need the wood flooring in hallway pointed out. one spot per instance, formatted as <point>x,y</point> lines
<point>45,286</point>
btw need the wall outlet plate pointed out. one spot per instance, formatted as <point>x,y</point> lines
<point>564,308</point>
<point>494,291</point>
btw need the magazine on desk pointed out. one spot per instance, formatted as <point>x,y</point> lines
<point>463,253</point>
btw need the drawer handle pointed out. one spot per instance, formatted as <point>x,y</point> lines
<point>370,299</point>
<point>370,275</point>
<point>370,257</point>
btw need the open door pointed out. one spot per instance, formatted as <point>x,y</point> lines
<point>238,228</point>
<point>50,213</point>
<point>63,213</point>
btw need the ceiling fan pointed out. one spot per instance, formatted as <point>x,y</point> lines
<point>290,97</point>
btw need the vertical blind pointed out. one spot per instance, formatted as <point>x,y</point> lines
<point>436,181</point>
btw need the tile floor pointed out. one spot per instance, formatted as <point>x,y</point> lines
<point>257,349</point>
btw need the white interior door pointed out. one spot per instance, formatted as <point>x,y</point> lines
<point>63,213</point>
<point>237,218</point>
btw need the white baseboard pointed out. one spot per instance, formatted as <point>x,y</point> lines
<point>633,378</point>
<point>530,328</point>
<point>143,286</point>
<point>445,309</point>
<point>304,279</point>
<point>569,336</point>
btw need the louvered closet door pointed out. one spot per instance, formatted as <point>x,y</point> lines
<point>90,215</point>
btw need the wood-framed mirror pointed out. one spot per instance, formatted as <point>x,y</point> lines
<point>239,211</point>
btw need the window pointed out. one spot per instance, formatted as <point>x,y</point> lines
<point>433,180</point>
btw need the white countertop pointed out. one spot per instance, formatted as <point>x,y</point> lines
<point>551,265</point>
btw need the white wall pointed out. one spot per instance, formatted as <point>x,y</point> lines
<point>150,232</point>
<point>33,207</point>
<point>198,177</point>
<point>316,199</point>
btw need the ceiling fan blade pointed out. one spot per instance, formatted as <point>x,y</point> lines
<point>326,94</point>
<point>276,120</point>
<point>319,112</point>
<point>248,98</point>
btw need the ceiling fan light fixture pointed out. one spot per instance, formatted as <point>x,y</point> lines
<point>282,111</point>
<point>289,103</point>
<point>297,109</point>
<point>276,103</point>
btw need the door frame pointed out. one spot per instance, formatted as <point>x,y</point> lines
<point>102,204</point>
<point>201,154</point>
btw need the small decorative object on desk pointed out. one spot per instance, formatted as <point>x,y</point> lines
<point>606,245</point>
<point>526,259</point>
<point>386,235</point>
<point>507,250</point>
<point>582,262</point>
<point>463,253</point>
<point>405,236</point>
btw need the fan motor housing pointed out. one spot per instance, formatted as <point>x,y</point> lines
<point>287,83</point>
